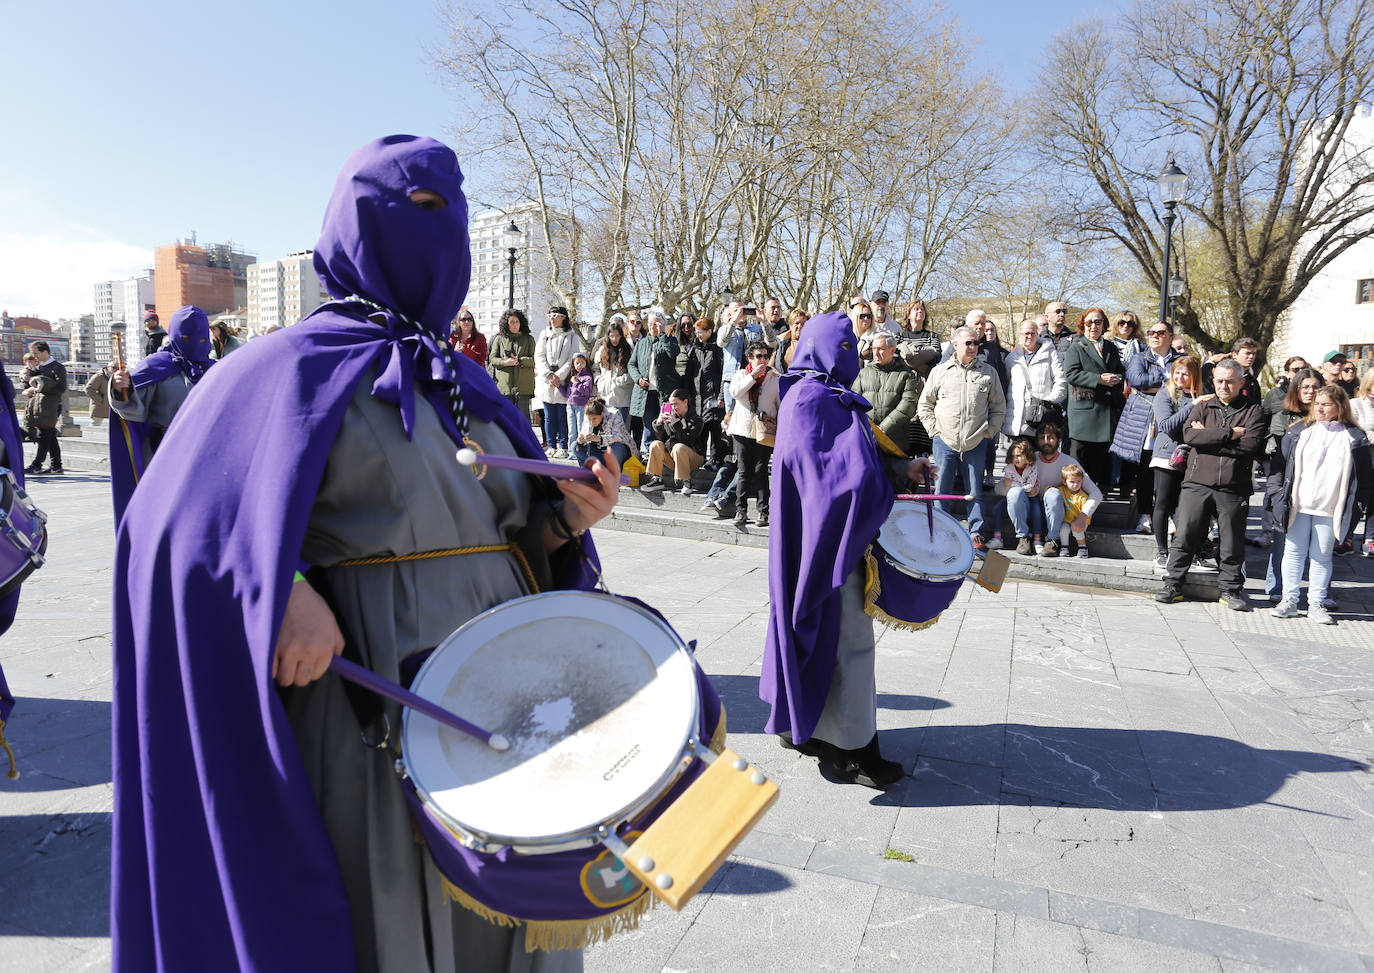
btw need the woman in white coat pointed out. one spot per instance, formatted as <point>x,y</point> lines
<point>755,389</point>
<point>553,354</point>
<point>1036,375</point>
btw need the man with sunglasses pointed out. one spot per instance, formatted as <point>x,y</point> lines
<point>1058,333</point>
<point>881,321</point>
<point>963,407</point>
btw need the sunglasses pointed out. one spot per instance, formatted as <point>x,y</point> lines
<point>868,317</point>
<point>1157,333</point>
<point>466,320</point>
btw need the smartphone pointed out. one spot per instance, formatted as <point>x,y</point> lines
<point>751,312</point>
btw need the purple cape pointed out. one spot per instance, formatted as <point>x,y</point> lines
<point>220,856</point>
<point>186,353</point>
<point>830,497</point>
<point>14,459</point>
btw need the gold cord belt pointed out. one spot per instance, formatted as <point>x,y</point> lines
<point>514,550</point>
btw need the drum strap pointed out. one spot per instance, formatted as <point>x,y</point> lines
<point>4,745</point>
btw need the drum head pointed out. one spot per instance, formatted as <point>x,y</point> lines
<point>906,538</point>
<point>596,695</point>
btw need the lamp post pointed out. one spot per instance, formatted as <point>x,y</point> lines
<point>1175,292</point>
<point>1171,182</point>
<point>510,238</point>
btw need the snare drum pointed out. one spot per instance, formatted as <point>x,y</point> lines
<point>610,722</point>
<point>23,534</point>
<point>911,576</point>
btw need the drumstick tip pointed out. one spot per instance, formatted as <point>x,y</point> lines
<point>467,456</point>
<point>498,743</point>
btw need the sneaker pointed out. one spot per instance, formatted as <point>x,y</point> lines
<point>1369,548</point>
<point>996,543</point>
<point>978,544</point>
<point>1285,609</point>
<point>1023,546</point>
<point>1069,549</point>
<point>686,490</point>
<point>651,484</point>
<point>34,468</point>
<point>761,520</point>
<point>710,505</point>
<point>1051,549</point>
<point>1144,527</point>
<point>1213,536</point>
<point>1264,541</point>
<point>1161,563</point>
<point>741,520</point>
<point>1083,550</point>
<point>1168,595</point>
<point>55,469</point>
<point>1235,601</point>
<point>1344,548</point>
<point>1320,615</point>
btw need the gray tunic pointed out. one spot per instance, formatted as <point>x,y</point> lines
<point>382,494</point>
<point>155,404</point>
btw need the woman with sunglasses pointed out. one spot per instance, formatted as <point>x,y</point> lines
<point>1126,335</point>
<point>861,313</point>
<point>1146,373</point>
<point>787,344</point>
<point>467,339</point>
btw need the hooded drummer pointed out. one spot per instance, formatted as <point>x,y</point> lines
<point>262,827</point>
<point>832,489</point>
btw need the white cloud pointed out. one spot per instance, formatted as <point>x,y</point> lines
<point>51,276</point>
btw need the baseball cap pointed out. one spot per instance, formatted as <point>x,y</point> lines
<point>1334,356</point>
<point>880,296</point>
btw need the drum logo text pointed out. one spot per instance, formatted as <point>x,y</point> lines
<point>606,882</point>
<point>622,763</point>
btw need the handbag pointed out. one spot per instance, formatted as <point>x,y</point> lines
<point>1179,459</point>
<point>765,430</point>
<point>1041,411</point>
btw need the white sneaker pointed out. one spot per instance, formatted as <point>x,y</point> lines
<point>1285,609</point>
<point>1144,526</point>
<point>1320,615</point>
<point>995,544</point>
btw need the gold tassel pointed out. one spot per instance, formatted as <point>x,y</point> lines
<point>4,745</point>
<point>873,589</point>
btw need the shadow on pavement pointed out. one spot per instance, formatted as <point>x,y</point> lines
<point>57,873</point>
<point>58,744</point>
<point>1117,769</point>
<point>746,713</point>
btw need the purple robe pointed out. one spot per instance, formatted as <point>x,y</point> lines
<point>187,352</point>
<point>220,858</point>
<point>831,495</point>
<point>14,459</point>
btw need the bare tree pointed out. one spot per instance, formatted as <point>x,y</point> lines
<point>1255,99</point>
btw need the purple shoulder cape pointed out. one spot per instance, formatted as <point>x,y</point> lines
<point>14,460</point>
<point>830,496</point>
<point>220,857</point>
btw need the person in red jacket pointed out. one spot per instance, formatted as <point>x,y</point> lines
<point>466,338</point>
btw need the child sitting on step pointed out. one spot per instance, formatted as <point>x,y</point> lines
<point>1078,511</point>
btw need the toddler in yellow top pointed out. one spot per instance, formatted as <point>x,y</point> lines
<point>1078,507</point>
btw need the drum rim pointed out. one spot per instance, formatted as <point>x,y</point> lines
<point>580,837</point>
<point>11,490</point>
<point>910,572</point>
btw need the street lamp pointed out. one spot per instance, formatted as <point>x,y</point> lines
<point>510,238</point>
<point>1171,182</point>
<point>1176,286</point>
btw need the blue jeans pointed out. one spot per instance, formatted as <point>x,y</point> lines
<point>1316,535</point>
<point>575,413</point>
<point>971,462</point>
<point>1273,571</point>
<point>555,425</point>
<point>585,451</point>
<point>1054,514</point>
<point>1027,512</point>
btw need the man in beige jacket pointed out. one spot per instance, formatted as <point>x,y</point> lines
<point>963,407</point>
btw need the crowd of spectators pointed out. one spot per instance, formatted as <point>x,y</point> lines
<point>1070,412</point>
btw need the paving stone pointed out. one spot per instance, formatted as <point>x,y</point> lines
<point>909,932</point>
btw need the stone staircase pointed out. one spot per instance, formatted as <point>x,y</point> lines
<point>1121,559</point>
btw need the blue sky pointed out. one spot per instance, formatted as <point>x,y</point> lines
<point>123,130</point>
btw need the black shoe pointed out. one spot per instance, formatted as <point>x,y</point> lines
<point>34,468</point>
<point>1168,595</point>
<point>56,469</point>
<point>741,520</point>
<point>653,484</point>
<point>812,747</point>
<point>865,766</point>
<point>1235,601</point>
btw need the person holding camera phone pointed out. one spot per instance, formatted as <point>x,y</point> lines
<point>739,329</point>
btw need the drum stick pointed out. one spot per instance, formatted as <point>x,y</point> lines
<point>930,507</point>
<point>119,359</point>
<point>928,497</point>
<point>538,467</point>
<point>385,687</point>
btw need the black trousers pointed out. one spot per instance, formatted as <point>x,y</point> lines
<point>1139,475</point>
<point>753,459</point>
<point>1168,483</point>
<point>48,446</point>
<point>1096,460</point>
<point>1197,505</point>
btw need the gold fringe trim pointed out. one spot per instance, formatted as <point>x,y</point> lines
<point>885,442</point>
<point>553,934</point>
<point>514,550</point>
<point>873,589</point>
<point>4,745</point>
<point>556,934</point>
